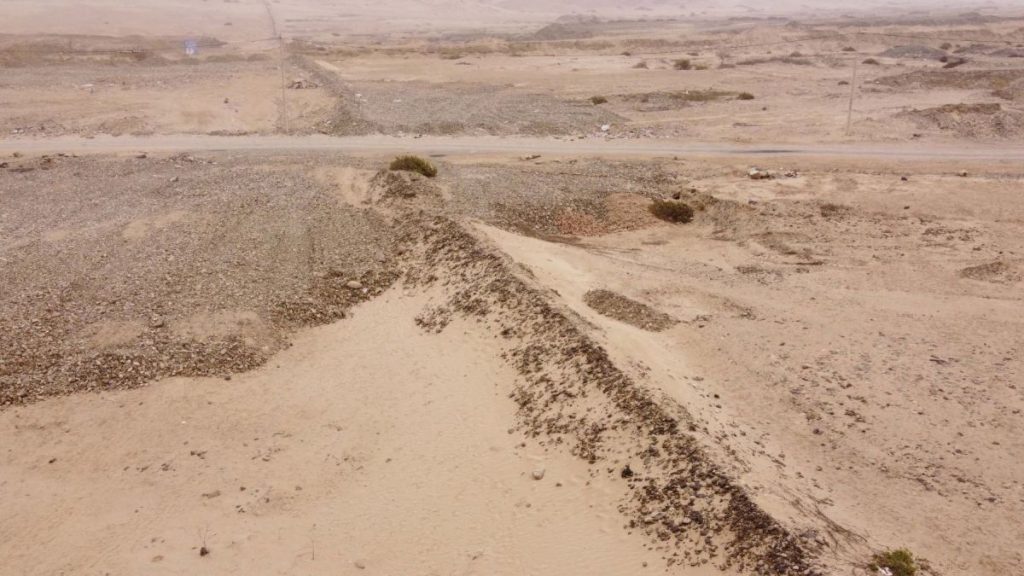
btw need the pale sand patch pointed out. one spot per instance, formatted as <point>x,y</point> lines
<point>143,227</point>
<point>108,334</point>
<point>363,443</point>
<point>254,331</point>
<point>351,185</point>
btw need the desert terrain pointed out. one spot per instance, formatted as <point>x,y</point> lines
<point>703,289</point>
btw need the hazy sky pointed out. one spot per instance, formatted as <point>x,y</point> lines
<point>243,19</point>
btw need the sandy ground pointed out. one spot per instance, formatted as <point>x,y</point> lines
<point>288,469</point>
<point>824,368</point>
<point>746,81</point>
<point>839,373</point>
<point>233,341</point>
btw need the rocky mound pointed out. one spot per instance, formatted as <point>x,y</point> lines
<point>988,120</point>
<point>617,306</point>
<point>576,198</point>
<point>966,79</point>
<point>917,51</point>
<point>446,109</point>
<point>572,395</point>
<point>999,272</point>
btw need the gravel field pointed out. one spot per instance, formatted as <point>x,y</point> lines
<point>146,267</point>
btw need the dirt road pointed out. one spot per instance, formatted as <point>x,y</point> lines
<point>497,145</point>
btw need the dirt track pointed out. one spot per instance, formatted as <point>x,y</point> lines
<point>495,145</point>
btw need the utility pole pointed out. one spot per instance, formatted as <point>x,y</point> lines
<point>281,53</point>
<point>284,88</point>
<point>853,88</point>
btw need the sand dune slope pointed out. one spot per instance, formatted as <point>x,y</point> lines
<point>361,449</point>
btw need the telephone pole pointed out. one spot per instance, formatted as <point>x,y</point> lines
<point>853,88</point>
<point>281,65</point>
<point>284,87</point>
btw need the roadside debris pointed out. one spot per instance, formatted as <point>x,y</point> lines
<point>302,84</point>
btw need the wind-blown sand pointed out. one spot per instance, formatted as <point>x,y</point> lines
<point>364,444</point>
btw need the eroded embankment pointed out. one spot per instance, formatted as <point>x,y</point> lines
<point>571,394</point>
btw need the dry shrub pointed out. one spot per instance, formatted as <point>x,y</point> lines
<point>414,164</point>
<point>897,562</point>
<point>672,211</point>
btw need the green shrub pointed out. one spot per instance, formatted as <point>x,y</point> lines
<point>672,211</point>
<point>595,100</point>
<point>414,164</point>
<point>682,64</point>
<point>900,562</point>
<point>744,96</point>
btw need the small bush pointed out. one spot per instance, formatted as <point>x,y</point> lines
<point>627,53</point>
<point>899,562</point>
<point>640,65</point>
<point>946,46</point>
<point>682,64</point>
<point>776,59</point>
<point>414,164</point>
<point>830,210</point>
<point>596,100</point>
<point>849,49</point>
<point>671,211</point>
<point>744,96</point>
<point>870,62</point>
